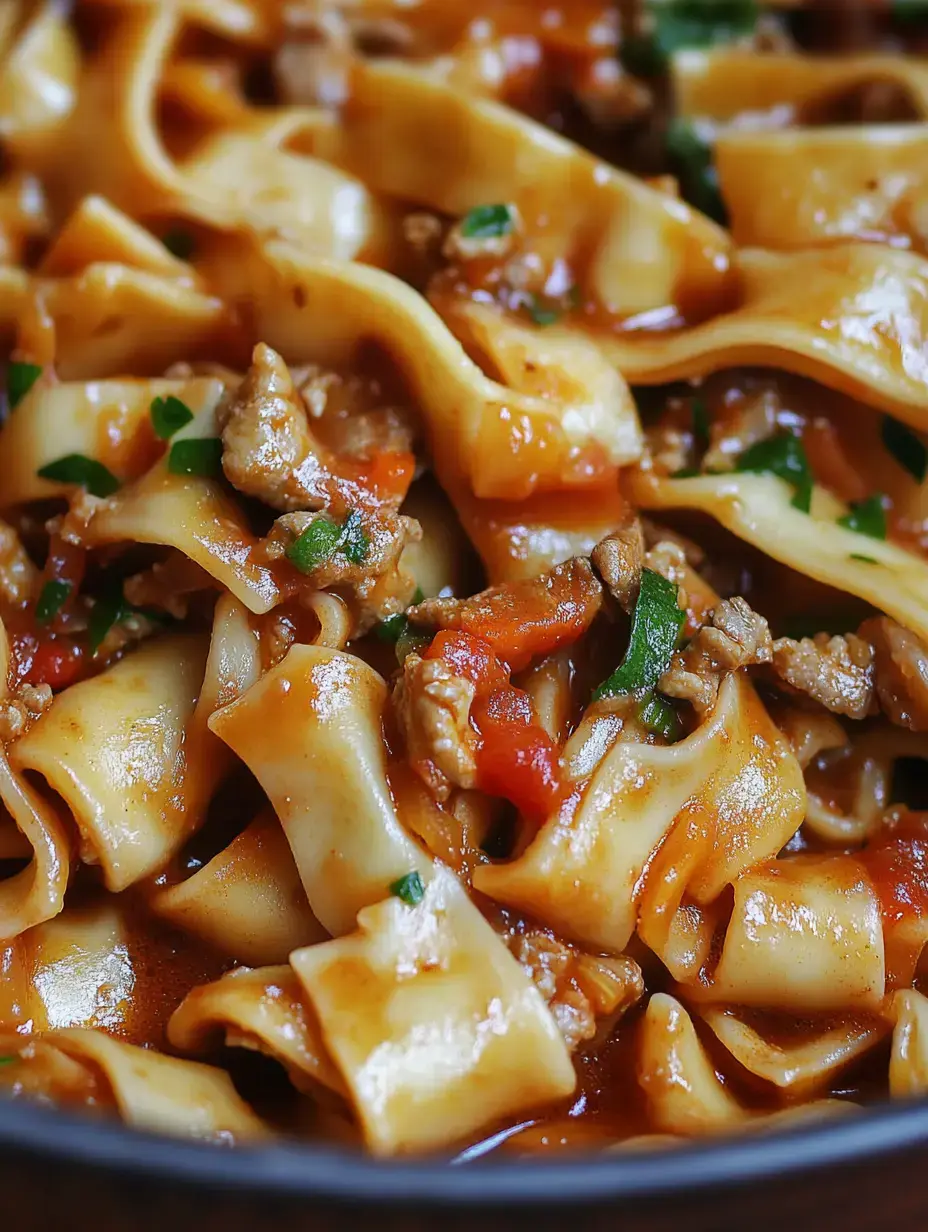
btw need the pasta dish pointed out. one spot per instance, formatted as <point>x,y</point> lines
<point>463,567</point>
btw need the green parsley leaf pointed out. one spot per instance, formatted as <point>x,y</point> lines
<point>409,888</point>
<point>486,222</point>
<point>686,472</point>
<point>867,517</point>
<point>8,1060</point>
<point>355,542</point>
<point>82,471</point>
<point>656,624</point>
<point>109,608</point>
<point>179,243</point>
<point>869,560</point>
<point>52,599</point>
<point>20,378</point>
<point>168,415</point>
<point>541,312</point>
<point>785,457</point>
<point>908,449</point>
<point>691,157</point>
<point>392,628</point>
<point>701,423</point>
<point>314,545</point>
<point>678,24</point>
<point>196,455</point>
<point>659,716</point>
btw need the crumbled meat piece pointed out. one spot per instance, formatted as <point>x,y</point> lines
<point>168,585</point>
<point>655,534</point>
<point>423,232</point>
<point>523,620</point>
<point>835,671</point>
<point>376,585</point>
<point>735,637</point>
<point>619,559</point>
<point>743,423</point>
<point>20,710</point>
<point>267,449</point>
<point>433,705</point>
<point>577,987</point>
<point>900,668</point>
<point>669,449</point>
<point>18,575</point>
<point>72,525</point>
<point>312,67</point>
<point>610,96</point>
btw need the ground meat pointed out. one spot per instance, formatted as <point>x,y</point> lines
<point>18,575</point>
<point>619,559</point>
<point>835,671</point>
<point>462,248</point>
<point>433,705</point>
<point>375,586</point>
<point>21,709</point>
<point>267,449</point>
<point>735,637</point>
<point>577,987</point>
<point>523,620</point>
<point>900,663</point>
<point>168,585</point>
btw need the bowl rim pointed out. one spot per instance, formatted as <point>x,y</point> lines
<point>339,1177</point>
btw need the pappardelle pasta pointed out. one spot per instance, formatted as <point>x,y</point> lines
<point>463,567</point>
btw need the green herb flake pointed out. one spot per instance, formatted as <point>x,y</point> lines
<point>393,628</point>
<point>656,624</point>
<point>867,560</point>
<point>109,609</point>
<point>701,423</point>
<point>84,472</point>
<point>355,542</point>
<point>678,24</point>
<point>785,457</point>
<point>314,545</point>
<point>20,378</point>
<point>487,222</point>
<point>169,415</point>
<point>659,716</point>
<point>8,1060</point>
<point>686,472</point>
<point>907,448</point>
<point>409,888</point>
<point>196,455</point>
<point>179,243</point>
<point>692,159</point>
<point>541,312</point>
<point>867,517</point>
<point>52,599</point>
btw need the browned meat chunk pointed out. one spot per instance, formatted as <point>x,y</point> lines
<point>619,559</point>
<point>736,636</point>
<point>18,575</point>
<point>835,671</point>
<point>900,663</point>
<point>21,709</point>
<point>433,705</point>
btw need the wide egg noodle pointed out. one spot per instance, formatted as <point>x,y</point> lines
<point>38,80</point>
<point>582,872</point>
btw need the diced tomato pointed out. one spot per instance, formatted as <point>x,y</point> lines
<point>897,861</point>
<point>517,759</point>
<point>56,662</point>
<point>390,474</point>
<point>468,656</point>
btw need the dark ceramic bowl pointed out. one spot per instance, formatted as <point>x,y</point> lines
<point>863,1172</point>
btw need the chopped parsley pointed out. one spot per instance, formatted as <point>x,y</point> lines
<point>409,888</point>
<point>8,1060</point>
<point>169,415</point>
<point>907,448</point>
<point>52,599</point>
<point>656,624</point>
<point>867,517</point>
<point>20,378</point>
<point>785,457</point>
<point>355,542</point>
<point>397,626</point>
<point>686,472</point>
<point>678,24</point>
<point>868,560</point>
<point>659,716</point>
<point>196,455</point>
<point>691,156</point>
<point>112,608</point>
<point>541,312</point>
<point>487,222</point>
<point>82,471</point>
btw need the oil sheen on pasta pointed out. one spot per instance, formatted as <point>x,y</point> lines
<point>463,581</point>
